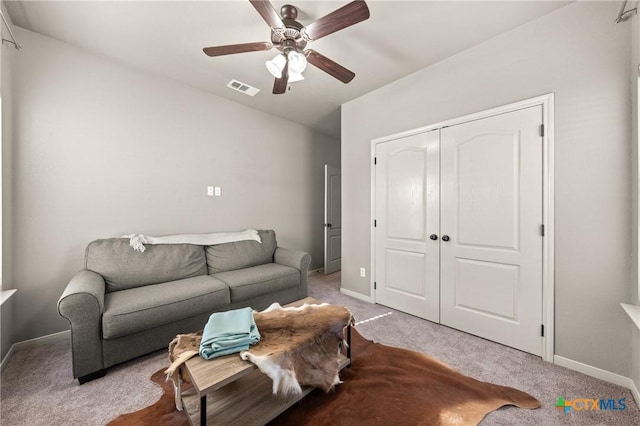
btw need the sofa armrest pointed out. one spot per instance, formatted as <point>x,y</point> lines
<point>82,304</point>
<point>296,259</point>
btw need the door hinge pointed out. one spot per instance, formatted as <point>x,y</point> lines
<point>375,160</point>
<point>542,230</point>
<point>375,285</point>
<point>542,330</point>
<point>542,130</point>
<point>375,223</point>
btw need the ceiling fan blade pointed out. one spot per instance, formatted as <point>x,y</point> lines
<point>230,49</point>
<point>268,13</point>
<point>330,67</point>
<point>280,85</point>
<point>350,14</point>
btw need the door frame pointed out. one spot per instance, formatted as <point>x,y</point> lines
<point>548,208</point>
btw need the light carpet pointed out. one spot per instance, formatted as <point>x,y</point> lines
<point>37,387</point>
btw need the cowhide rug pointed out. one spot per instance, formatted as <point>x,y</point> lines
<point>384,386</point>
<point>162,413</point>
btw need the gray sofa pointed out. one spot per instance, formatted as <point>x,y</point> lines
<point>125,303</point>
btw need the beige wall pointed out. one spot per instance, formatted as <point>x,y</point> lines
<point>634,76</point>
<point>579,54</point>
<point>7,55</point>
<point>103,150</point>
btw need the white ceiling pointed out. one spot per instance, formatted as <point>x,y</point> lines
<point>167,37</point>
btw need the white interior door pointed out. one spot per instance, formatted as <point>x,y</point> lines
<point>406,214</point>
<point>332,219</point>
<point>491,265</point>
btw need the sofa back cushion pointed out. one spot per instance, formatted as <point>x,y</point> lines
<point>122,267</point>
<point>241,254</point>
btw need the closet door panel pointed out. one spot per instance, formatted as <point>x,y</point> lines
<point>491,267</point>
<point>407,213</point>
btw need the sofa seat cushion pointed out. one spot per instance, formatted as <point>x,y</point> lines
<point>259,280</point>
<point>241,254</point>
<point>142,308</point>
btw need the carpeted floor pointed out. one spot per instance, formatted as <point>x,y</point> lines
<point>37,387</point>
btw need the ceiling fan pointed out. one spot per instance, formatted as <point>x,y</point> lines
<point>291,37</point>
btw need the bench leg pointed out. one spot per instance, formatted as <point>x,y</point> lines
<point>349,344</point>
<point>177,391</point>
<point>203,410</point>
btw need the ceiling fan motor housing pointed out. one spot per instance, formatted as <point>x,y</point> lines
<point>291,38</point>
<point>289,12</point>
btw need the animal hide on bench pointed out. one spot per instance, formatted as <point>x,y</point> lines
<point>298,346</point>
<point>182,348</point>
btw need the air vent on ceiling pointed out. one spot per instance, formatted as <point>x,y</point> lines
<point>243,87</point>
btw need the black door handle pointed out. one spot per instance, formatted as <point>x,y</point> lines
<point>327,225</point>
<point>445,238</point>
<point>433,237</point>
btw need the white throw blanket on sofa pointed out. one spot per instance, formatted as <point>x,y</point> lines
<point>137,241</point>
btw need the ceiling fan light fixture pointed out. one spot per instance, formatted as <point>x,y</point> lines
<point>276,65</point>
<point>297,62</point>
<point>295,76</point>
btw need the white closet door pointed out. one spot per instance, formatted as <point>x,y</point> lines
<point>406,212</point>
<point>491,267</point>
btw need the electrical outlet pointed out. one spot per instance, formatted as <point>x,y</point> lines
<point>210,190</point>
<point>363,272</point>
<point>218,191</point>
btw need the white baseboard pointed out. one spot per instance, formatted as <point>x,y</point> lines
<point>355,295</point>
<point>6,295</point>
<point>635,392</point>
<point>43,340</point>
<point>599,373</point>
<point>33,343</point>
<point>315,271</point>
<point>6,358</point>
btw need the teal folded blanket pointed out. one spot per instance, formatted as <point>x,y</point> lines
<point>228,332</point>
